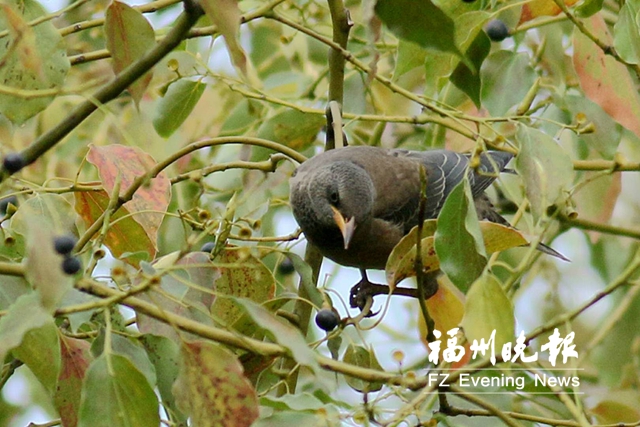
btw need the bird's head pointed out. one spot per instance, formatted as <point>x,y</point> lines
<point>338,194</point>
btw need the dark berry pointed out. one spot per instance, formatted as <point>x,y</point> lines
<point>327,320</point>
<point>4,204</point>
<point>13,162</point>
<point>208,247</point>
<point>286,267</point>
<point>497,30</point>
<point>71,265</point>
<point>64,244</point>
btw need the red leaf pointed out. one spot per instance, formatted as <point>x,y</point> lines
<point>604,80</point>
<point>212,387</point>
<point>75,357</point>
<point>151,200</point>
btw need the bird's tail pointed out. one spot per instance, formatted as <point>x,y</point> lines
<point>550,251</point>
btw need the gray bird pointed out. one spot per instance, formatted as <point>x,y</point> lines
<point>356,203</point>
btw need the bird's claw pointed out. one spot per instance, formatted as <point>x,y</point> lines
<point>363,292</point>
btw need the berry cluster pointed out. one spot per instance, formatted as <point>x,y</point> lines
<point>64,245</point>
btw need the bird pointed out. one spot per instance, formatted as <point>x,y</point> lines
<point>356,203</point>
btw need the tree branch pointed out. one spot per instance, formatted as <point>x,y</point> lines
<point>112,89</point>
<point>341,25</point>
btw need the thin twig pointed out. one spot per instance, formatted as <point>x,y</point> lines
<point>618,282</point>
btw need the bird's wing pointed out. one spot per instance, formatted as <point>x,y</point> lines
<point>445,169</point>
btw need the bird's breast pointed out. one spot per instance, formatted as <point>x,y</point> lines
<point>370,246</point>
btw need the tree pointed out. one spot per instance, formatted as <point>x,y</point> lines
<point>147,273</point>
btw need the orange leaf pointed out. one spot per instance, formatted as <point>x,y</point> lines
<point>446,308</point>
<point>536,8</point>
<point>604,80</point>
<point>125,236</point>
<point>151,200</point>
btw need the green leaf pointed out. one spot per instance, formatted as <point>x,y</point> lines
<point>290,419</point>
<point>363,358</point>
<point>297,402</point>
<point>458,239</point>
<point>25,314</point>
<point>463,77</point>
<point>438,67</point>
<point>33,58</point>
<point>242,117</point>
<point>40,351</point>
<point>626,34</point>
<point>420,22</point>
<point>52,211</point>
<point>176,105</point>
<point>212,388</point>
<point>306,278</point>
<point>410,55</point>
<point>226,16</point>
<point>116,394</point>
<point>619,407</point>
<point>283,333</point>
<point>187,289</point>
<point>12,288</point>
<point>129,36</point>
<point>587,8</point>
<point>506,79</point>
<point>242,275</point>
<point>608,133</point>
<point>401,262</point>
<point>546,169</point>
<point>292,128</point>
<point>125,347</point>
<point>43,268</point>
<point>164,354</point>
<point>487,308</point>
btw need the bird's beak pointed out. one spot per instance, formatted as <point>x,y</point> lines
<point>347,227</point>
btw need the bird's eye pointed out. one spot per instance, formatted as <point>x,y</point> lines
<point>334,198</point>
